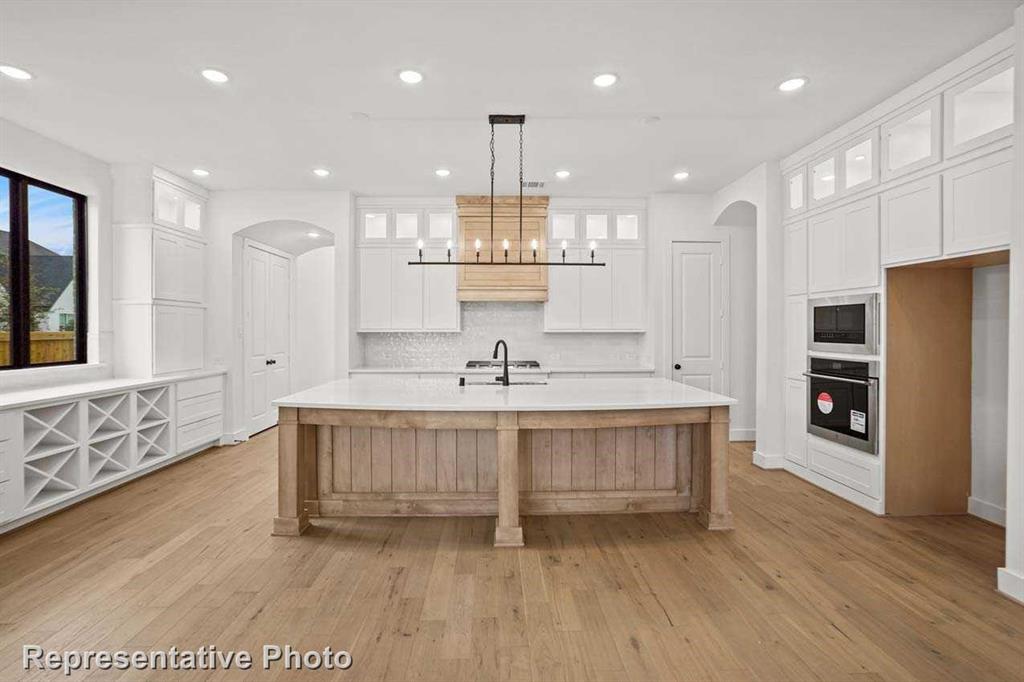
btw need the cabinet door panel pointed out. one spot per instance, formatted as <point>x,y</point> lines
<point>440,302</point>
<point>824,248</point>
<point>596,298</point>
<point>911,221</point>
<point>193,337</point>
<point>374,288</point>
<point>978,203</point>
<point>796,422</point>
<point>860,244</point>
<point>562,311</point>
<point>166,266</point>
<point>406,290</point>
<point>167,340</point>
<point>627,289</point>
<point>796,336</point>
<point>192,269</point>
<point>796,258</point>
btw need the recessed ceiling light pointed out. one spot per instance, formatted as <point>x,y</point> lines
<point>200,172</point>
<point>411,77</point>
<point>562,174</point>
<point>605,80</point>
<point>14,72</point>
<point>681,175</point>
<point>313,235</point>
<point>442,172</point>
<point>793,84</point>
<point>214,76</point>
<point>321,172</point>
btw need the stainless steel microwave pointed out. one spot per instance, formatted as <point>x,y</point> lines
<point>843,324</point>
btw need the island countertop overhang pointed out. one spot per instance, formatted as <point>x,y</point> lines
<point>557,396</point>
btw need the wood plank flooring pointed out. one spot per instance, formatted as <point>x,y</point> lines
<point>807,587</point>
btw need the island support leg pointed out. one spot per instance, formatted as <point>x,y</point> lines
<point>711,448</point>
<point>508,532</point>
<point>292,473</point>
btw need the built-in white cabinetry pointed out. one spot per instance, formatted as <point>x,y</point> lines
<point>394,295</point>
<point>796,336</point>
<point>979,110</point>
<point>611,298</point>
<point>795,258</point>
<point>823,179</point>
<point>796,422</point>
<point>859,160</point>
<point>77,443</point>
<point>855,470</point>
<point>175,205</point>
<point>912,140</point>
<point>795,190</point>
<point>178,267</point>
<point>842,247</point>
<point>977,203</point>
<point>911,221</point>
<point>178,338</point>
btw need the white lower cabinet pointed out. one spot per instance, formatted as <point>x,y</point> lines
<point>796,422</point>
<point>598,299</point>
<point>796,336</point>
<point>842,246</point>
<point>978,203</point>
<point>857,471</point>
<point>911,221</point>
<point>397,296</point>
<point>178,267</point>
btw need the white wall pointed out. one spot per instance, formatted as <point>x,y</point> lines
<point>232,211</point>
<point>989,352</point>
<point>31,154</point>
<point>313,356</point>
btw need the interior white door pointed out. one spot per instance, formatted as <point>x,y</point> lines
<point>698,315</point>
<point>267,304</point>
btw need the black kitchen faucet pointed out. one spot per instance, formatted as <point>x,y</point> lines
<point>504,360</point>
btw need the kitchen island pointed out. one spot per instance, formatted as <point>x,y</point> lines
<point>420,447</point>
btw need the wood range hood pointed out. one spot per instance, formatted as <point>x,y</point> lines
<point>513,283</point>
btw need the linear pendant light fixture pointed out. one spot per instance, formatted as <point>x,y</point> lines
<point>518,120</point>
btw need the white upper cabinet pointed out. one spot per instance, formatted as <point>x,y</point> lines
<point>842,246</point>
<point>795,258</point>
<point>596,226</point>
<point>176,207</point>
<point>795,189</point>
<point>860,163</point>
<point>374,226</point>
<point>178,267</point>
<point>824,180</point>
<point>912,140</point>
<point>407,225</point>
<point>440,226</point>
<point>627,288</point>
<point>911,221</point>
<point>407,290</point>
<point>562,310</point>
<point>979,110</point>
<point>375,289</point>
<point>977,202</point>
<point>596,299</point>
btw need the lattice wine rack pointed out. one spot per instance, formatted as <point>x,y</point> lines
<point>153,425</point>
<point>52,448</point>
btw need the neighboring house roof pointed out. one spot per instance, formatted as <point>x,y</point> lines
<point>51,272</point>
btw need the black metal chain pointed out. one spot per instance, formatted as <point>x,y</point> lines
<point>490,248</point>
<point>520,192</point>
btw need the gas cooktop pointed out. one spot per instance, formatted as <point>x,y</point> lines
<point>491,364</point>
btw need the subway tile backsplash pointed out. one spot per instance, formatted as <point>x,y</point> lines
<point>520,324</point>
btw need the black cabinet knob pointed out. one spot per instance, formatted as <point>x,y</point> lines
<point>678,366</point>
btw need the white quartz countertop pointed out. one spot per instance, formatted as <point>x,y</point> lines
<point>462,370</point>
<point>445,395</point>
<point>35,396</point>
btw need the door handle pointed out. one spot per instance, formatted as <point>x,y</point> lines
<point>271,362</point>
<point>833,377</point>
<point>678,366</point>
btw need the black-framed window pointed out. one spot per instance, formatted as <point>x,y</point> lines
<point>43,312</point>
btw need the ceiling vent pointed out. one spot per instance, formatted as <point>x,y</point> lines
<point>533,184</point>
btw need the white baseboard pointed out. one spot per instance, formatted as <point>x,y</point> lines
<point>239,436</point>
<point>1011,584</point>
<point>768,461</point>
<point>838,489</point>
<point>986,510</point>
<point>742,434</point>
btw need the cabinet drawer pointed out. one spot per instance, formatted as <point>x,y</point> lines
<point>854,470</point>
<point>190,389</point>
<point>192,410</point>
<point>199,433</point>
<point>6,452</point>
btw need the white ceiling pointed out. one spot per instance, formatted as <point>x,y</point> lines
<point>120,81</point>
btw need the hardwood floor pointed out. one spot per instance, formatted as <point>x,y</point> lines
<point>806,587</point>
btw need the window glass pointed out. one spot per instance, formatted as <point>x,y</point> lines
<point>983,108</point>
<point>52,285</point>
<point>627,227</point>
<point>796,191</point>
<point>440,225</point>
<point>858,164</point>
<point>407,225</point>
<point>563,226</point>
<point>597,226</point>
<point>823,179</point>
<point>5,271</point>
<point>911,140</point>
<point>375,225</point>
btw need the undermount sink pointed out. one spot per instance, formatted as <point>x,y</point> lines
<point>498,383</point>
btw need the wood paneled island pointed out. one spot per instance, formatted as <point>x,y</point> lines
<point>366,447</point>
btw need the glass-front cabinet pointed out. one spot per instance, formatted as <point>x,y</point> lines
<point>795,183</point>
<point>824,179</point>
<point>979,110</point>
<point>860,163</point>
<point>912,140</point>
